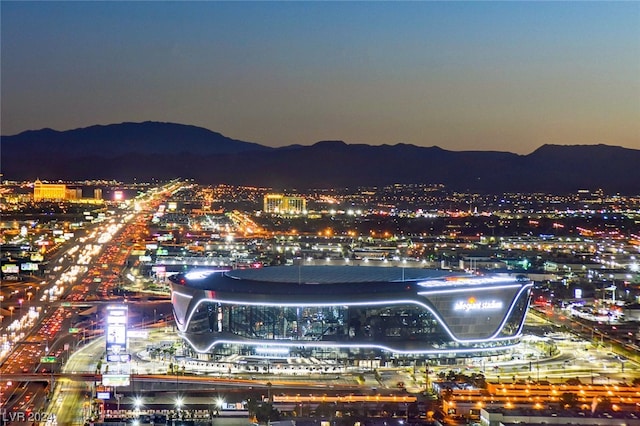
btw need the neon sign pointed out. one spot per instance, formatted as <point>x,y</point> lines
<point>472,304</point>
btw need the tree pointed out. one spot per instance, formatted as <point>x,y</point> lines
<point>413,410</point>
<point>569,399</point>
<point>265,412</point>
<point>478,380</point>
<point>447,394</point>
<point>451,375</point>
<point>171,351</point>
<point>604,403</point>
<point>269,385</point>
<point>324,409</point>
<point>389,408</point>
<point>252,406</point>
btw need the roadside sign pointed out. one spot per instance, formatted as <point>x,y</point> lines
<point>119,358</point>
<point>74,330</point>
<point>48,359</point>
<point>115,380</point>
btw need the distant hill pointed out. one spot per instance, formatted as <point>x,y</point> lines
<point>119,139</point>
<point>165,150</point>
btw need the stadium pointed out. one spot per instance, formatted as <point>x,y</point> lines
<point>359,312</point>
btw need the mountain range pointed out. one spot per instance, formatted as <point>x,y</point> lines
<point>143,151</point>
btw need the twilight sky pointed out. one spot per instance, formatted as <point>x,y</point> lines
<point>505,76</point>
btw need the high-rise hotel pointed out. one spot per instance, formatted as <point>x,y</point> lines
<point>54,192</point>
<point>283,204</point>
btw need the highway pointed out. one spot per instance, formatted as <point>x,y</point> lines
<point>39,324</point>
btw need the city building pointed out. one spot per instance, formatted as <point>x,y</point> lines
<point>49,191</point>
<point>506,404</point>
<point>283,204</point>
<point>354,312</point>
<point>62,192</point>
<point>54,192</point>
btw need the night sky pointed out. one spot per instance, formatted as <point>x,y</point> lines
<point>464,76</point>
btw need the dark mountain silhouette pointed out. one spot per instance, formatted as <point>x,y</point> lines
<point>119,139</point>
<point>149,150</point>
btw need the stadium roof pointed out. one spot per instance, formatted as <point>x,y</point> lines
<point>337,274</point>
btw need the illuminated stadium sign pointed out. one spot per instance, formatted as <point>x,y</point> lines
<point>472,304</point>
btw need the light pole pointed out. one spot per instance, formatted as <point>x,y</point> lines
<point>137,403</point>
<point>219,405</point>
<point>178,406</point>
<point>426,376</point>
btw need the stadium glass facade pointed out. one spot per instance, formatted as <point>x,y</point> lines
<point>361,311</point>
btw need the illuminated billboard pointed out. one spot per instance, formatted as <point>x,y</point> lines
<point>29,266</point>
<point>116,380</point>
<point>9,268</point>
<point>472,304</point>
<point>116,332</point>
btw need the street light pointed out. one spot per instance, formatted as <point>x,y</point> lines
<point>179,402</point>
<point>219,404</point>
<point>137,403</point>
